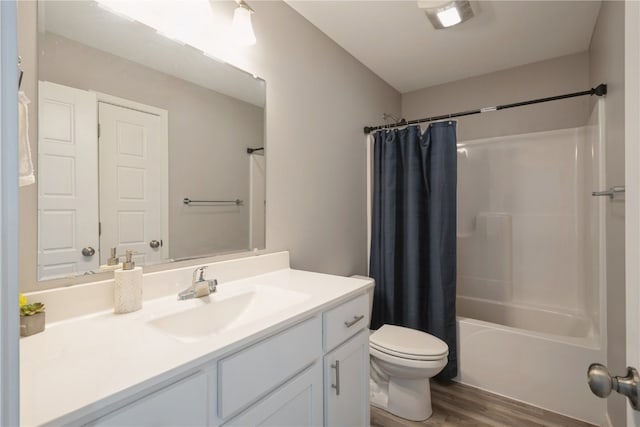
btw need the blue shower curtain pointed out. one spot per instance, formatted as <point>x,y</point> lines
<point>413,239</point>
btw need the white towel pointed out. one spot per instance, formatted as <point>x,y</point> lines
<point>26,176</point>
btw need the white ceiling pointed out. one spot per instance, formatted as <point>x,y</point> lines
<point>396,41</point>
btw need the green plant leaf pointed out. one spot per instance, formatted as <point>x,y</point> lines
<point>31,309</point>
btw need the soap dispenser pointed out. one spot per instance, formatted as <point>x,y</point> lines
<point>128,286</point>
<point>113,263</point>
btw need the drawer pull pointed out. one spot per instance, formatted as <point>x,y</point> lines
<point>355,320</point>
<point>336,366</point>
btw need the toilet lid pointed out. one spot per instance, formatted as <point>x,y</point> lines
<point>400,341</point>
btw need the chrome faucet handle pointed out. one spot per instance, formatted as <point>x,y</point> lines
<point>200,287</point>
<point>213,285</point>
<point>201,271</point>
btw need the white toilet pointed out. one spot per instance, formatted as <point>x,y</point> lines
<point>402,361</point>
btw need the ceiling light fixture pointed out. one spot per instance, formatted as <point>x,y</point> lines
<point>241,26</point>
<point>444,14</point>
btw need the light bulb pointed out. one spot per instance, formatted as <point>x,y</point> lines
<point>242,28</point>
<point>449,17</point>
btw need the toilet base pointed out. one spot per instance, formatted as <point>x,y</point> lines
<point>405,398</point>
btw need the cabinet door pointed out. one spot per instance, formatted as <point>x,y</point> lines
<point>346,383</point>
<point>296,403</point>
<point>185,403</point>
<point>250,374</point>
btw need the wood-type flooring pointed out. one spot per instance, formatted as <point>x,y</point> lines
<point>457,404</point>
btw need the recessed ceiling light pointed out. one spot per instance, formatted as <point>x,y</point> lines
<point>444,14</point>
<point>449,17</point>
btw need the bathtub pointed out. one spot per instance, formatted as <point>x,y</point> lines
<point>531,269</point>
<point>541,358</point>
<point>534,319</point>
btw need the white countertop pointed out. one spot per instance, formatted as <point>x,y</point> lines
<point>107,357</point>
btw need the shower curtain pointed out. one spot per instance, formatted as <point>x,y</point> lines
<point>413,236</point>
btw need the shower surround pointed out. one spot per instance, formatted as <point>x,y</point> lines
<point>531,269</point>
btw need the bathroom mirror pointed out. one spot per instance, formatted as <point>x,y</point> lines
<point>142,145</point>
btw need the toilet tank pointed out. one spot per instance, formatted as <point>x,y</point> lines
<point>369,294</point>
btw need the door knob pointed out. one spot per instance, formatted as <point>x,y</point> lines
<point>154,244</point>
<point>88,251</point>
<point>602,383</point>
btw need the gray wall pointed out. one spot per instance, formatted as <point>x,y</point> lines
<point>318,100</point>
<point>607,65</point>
<point>541,79</point>
<point>208,136</point>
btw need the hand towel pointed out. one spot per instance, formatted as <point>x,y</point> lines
<point>26,175</point>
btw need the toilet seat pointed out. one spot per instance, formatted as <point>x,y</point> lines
<point>406,363</point>
<point>406,343</point>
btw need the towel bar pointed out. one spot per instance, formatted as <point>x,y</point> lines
<point>187,201</point>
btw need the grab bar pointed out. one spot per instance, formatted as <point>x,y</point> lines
<point>187,201</point>
<point>611,192</point>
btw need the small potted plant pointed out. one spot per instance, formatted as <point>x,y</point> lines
<point>31,317</point>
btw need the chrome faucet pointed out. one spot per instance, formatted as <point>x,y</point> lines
<point>200,287</point>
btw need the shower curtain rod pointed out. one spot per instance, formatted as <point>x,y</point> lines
<point>599,90</point>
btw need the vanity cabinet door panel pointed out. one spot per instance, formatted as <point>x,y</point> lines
<point>185,403</point>
<point>346,383</point>
<point>252,373</point>
<point>297,403</point>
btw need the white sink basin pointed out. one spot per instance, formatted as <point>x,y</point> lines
<point>226,310</point>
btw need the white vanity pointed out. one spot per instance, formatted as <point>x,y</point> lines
<point>273,346</point>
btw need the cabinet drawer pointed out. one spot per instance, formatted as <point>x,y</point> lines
<point>345,320</point>
<point>184,403</point>
<point>251,373</point>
